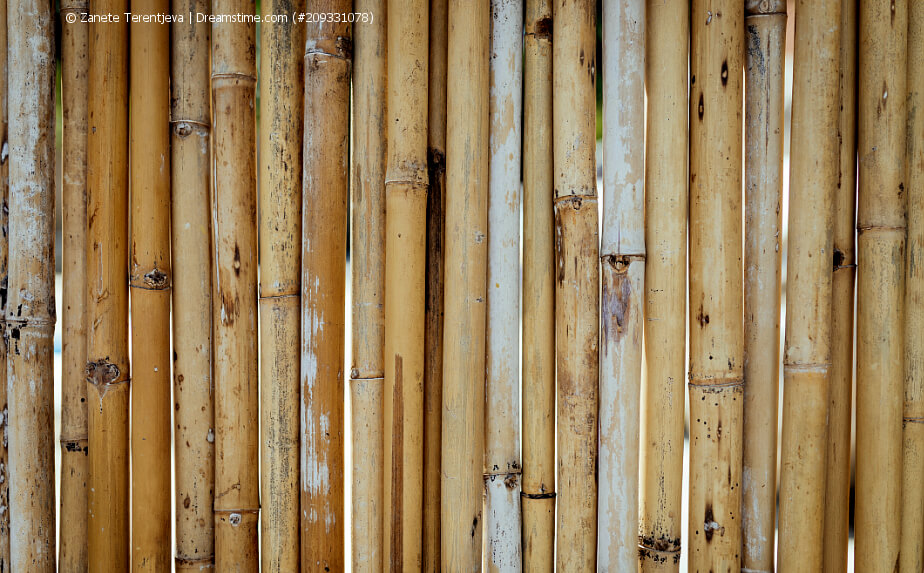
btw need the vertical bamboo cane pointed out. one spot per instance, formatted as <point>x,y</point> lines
<point>765,37</point>
<point>716,337</point>
<point>281,95</point>
<point>666,203</point>
<point>234,298</point>
<point>4,282</point>
<point>807,357</point>
<point>467,172</point>
<point>538,393</point>
<point>880,284</point>
<point>194,437</point>
<point>325,185</point>
<point>107,291</point>
<point>577,296</point>
<point>30,317</point>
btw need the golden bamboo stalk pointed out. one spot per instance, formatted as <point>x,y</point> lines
<point>107,291</point>
<point>716,325</point>
<point>4,280</point>
<point>325,184</point>
<point>538,393</point>
<point>234,298</point>
<point>666,203</point>
<point>880,284</point>
<point>194,436</point>
<point>765,37</point>
<point>577,298</point>
<point>467,128</point>
<point>30,314</point>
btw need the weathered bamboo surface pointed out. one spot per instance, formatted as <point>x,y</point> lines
<point>4,280</point>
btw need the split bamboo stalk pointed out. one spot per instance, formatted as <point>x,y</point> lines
<point>716,325</point>
<point>30,314</point>
<point>806,361</point>
<point>502,466</point>
<point>107,292</point>
<point>880,284</point>
<point>325,194</point>
<point>367,269</point>
<point>234,295</point>
<point>840,382</point>
<point>433,315</point>
<point>467,172</point>
<point>666,203</point>
<point>4,281</point>
<point>538,390</point>
<point>765,37</point>
<point>577,296</point>
<point>194,436</point>
<point>281,92</point>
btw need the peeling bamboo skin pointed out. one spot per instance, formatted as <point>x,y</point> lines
<point>234,302</point>
<point>72,553</point>
<point>467,174</point>
<point>765,37</point>
<point>30,315</point>
<point>880,284</point>
<point>716,326</point>
<point>107,368</point>
<point>325,188</point>
<point>666,204</point>
<point>194,436</point>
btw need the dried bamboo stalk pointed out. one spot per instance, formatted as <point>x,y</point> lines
<point>765,37</point>
<point>194,437</point>
<point>807,356</point>
<point>281,92</point>
<point>880,284</point>
<point>467,119</point>
<point>538,390</point>
<point>234,296</point>
<point>666,203</point>
<point>325,192</point>
<point>72,551</point>
<point>577,297</point>
<point>107,368</point>
<point>4,282</point>
<point>716,325</point>
<point>30,314</point>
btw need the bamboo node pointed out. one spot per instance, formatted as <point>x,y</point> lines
<point>716,382</point>
<point>183,128</point>
<point>233,76</point>
<point>764,7</point>
<point>818,367</point>
<point>620,263</point>
<point>913,420</point>
<point>547,495</point>
<point>103,373</point>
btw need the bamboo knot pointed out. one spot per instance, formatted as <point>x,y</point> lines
<point>547,495</point>
<point>234,76</point>
<point>764,7</point>
<point>75,8</point>
<point>103,373</point>
<point>620,263</point>
<point>808,367</point>
<point>183,128</point>
<point>716,382</point>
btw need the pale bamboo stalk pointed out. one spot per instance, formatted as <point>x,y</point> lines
<point>194,437</point>
<point>502,465</point>
<point>467,174</point>
<point>840,382</point>
<point>765,37</point>
<point>281,92</point>
<point>325,194</point>
<point>234,291</point>
<point>577,296</point>
<point>30,314</point>
<point>4,281</point>
<point>716,325</point>
<point>538,390</point>
<point>666,203</point>
<point>880,284</point>
<point>107,368</point>
<point>813,176</point>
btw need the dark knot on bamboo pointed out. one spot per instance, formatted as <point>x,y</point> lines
<point>103,373</point>
<point>764,7</point>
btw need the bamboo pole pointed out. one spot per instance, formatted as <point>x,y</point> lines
<point>281,92</point>
<point>880,284</point>
<point>538,390</point>
<point>577,298</point>
<point>194,437</point>
<point>807,356</point>
<point>666,203</point>
<point>107,291</point>
<point>30,314</point>
<point>325,188</point>
<point>4,279</point>
<point>467,119</point>
<point>765,37</point>
<point>716,337</point>
<point>234,298</point>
